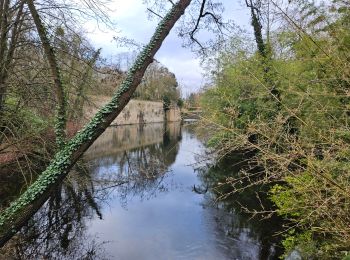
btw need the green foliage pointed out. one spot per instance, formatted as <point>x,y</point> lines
<point>166,103</point>
<point>157,84</point>
<point>24,121</point>
<point>32,120</point>
<point>180,103</point>
<point>61,163</point>
<point>301,241</point>
<point>301,140</point>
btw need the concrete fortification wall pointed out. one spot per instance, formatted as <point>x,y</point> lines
<point>173,114</point>
<point>136,111</point>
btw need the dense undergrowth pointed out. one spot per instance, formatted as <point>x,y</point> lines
<point>300,132</point>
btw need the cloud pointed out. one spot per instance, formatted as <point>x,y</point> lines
<point>182,63</point>
<point>132,22</point>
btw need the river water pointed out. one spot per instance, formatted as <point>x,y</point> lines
<point>138,194</point>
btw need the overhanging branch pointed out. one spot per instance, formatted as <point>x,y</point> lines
<point>18,213</point>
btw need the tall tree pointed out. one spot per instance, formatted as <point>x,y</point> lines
<point>61,114</point>
<point>21,210</point>
<point>263,47</point>
<point>11,19</point>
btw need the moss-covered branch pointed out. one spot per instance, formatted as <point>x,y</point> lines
<point>264,49</point>
<point>61,114</point>
<point>31,200</point>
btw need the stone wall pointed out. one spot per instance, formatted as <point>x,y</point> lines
<point>173,114</point>
<point>139,111</point>
<point>136,111</point>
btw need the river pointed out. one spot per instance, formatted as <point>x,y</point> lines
<point>138,193</point>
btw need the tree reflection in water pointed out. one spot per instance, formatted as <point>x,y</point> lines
<point>135,164</point>
<point>57,230</point>
<point>235,215</point>
<point>132,159</point>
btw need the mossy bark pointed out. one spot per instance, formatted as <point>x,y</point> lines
<point>61,114</point>
<point>31,200</point>
<point>265,52</point>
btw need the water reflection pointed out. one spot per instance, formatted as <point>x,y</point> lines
<point>127,160</point>
<point>133,197</point>
<point>117,140</point>
<point>137,156</point>
<point>233,218</point>
<point>57,230</point>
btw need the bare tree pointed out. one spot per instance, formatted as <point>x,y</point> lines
<point>11,20</point>
<point>204,16</point>
<point>61,114</point>
<point>21,210</point>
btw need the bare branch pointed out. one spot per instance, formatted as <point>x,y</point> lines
<point>30,201</point>
<point>59,89</point>
<point>153,12</point>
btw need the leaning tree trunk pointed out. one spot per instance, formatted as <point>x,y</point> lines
<point>18,213</point>
<point>61,114</point>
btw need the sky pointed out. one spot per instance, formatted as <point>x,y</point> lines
<point>131,20</point>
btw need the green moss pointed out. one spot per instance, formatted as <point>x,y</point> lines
<point>61,161</point>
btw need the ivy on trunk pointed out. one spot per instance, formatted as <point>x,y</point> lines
<point>18,213</point>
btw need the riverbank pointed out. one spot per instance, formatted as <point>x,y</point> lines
<point>142,191</point>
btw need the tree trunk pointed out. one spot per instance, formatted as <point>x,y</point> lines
<point>18,213</point>
<point>7,50</point>
<point>4,8</point>
<point>264,51</point>
<point>61,117</point>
